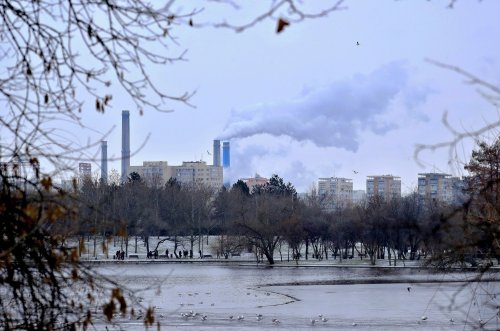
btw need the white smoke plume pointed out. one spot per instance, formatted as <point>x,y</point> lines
<point>335,115</point>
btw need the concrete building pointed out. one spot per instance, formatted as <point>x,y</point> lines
<point>358,196</point>
<point>335,192</point>
<point>254,181</point>
<point>200,173</point>
<point>154,173</point>
<point>441,187</point>
<point>84,169</point>
<point>385,186</point>
<point>159,172</point>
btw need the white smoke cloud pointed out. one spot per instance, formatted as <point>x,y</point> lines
<point>335,115</point>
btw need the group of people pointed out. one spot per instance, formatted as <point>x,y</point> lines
<point>120,255</point>
<point>152,254</point>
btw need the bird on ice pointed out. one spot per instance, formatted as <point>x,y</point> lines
<point>241,318</point>
<point>424,318</point>
<point>409,288</point>
<point>276,321</point>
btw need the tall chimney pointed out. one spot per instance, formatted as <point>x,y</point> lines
<point>104,161</point>
<point>226,160</point>
<point>125,144</point>
<point>217,153</point>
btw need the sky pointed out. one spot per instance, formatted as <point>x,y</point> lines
<point>310,102</point>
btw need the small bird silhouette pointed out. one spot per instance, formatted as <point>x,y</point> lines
<point>355,171</point>
<point>409,288</point>
<point>357,43</point>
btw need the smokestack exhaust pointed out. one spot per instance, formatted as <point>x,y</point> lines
<point>216,153</point>
<point>125,144</point>
<point>104,161</point>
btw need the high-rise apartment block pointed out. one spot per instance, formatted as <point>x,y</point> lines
<point>157,173</point>
<point>335,192</point>
<point>154,173</point>
<point>384,186</point>
<point>440,187</point>
<point>85,169</point>
<point>199,172</point>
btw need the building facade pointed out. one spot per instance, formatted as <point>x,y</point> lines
<point>440,187</point>
<point>335,192</point>
<point>154,173</point>
<point>157,173</point>
<point>84,169</point>
<point>254,181</point>
<point>385,186</point>
<point>198,172</point>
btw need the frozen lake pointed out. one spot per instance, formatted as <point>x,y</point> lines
<point>372,299</point>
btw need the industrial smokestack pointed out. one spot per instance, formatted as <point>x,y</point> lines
<point>125,144</point>
<point>226,160</point>
<point>104,161</point>
<point>216,153</point>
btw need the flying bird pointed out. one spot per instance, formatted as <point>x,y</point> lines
<point>357,43</point>
<point>282,24</point>
<point>355,172</point>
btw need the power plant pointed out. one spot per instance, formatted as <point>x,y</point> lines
<point>104,161</point>
<point>125,144</point>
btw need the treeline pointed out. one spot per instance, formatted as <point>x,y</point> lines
<point>405,228</point>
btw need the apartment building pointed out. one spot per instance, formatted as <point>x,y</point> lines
<point>335,192</point>
<point>385,186</point>
<point>441,187</point>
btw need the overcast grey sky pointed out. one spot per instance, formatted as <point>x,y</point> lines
<point>310,102</point>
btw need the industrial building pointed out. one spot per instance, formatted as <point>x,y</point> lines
<point>255,181</point>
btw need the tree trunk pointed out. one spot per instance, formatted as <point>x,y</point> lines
<point>307,248</point>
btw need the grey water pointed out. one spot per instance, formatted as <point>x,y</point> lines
<point>307,298</point>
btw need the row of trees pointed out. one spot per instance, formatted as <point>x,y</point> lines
<point>401,228</point>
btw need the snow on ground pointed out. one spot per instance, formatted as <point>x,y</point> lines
<point>399,299</point>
